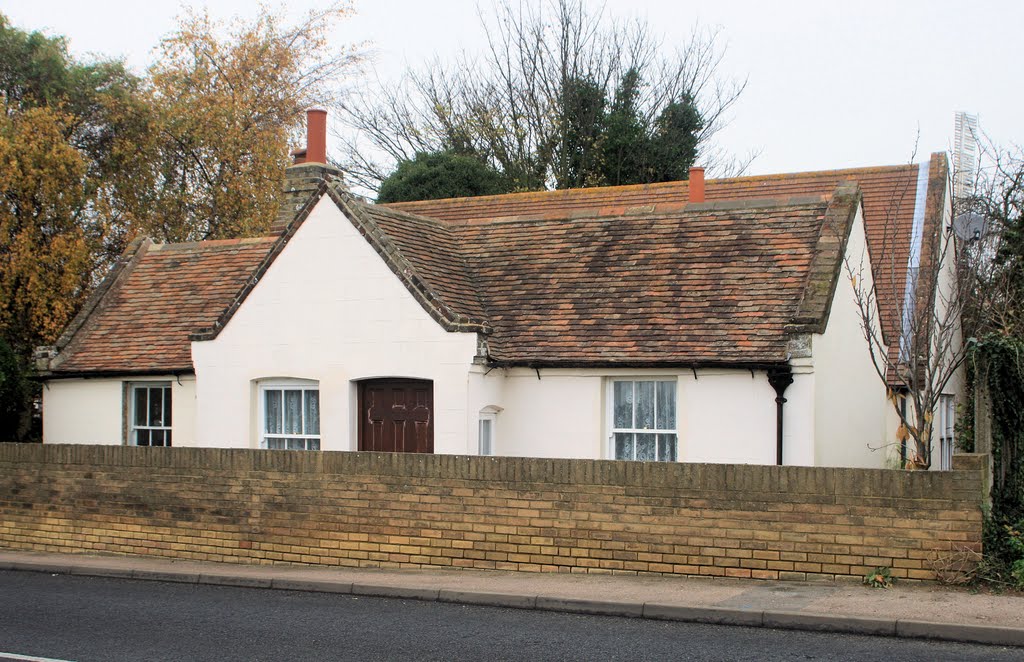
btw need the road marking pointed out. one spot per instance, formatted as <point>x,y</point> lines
<point>28,658</point>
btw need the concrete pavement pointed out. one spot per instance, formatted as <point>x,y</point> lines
<point>908,610</point>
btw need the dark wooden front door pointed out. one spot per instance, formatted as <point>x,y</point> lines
<point>396,415</point>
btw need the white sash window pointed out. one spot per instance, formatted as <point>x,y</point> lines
<point>643,422</point>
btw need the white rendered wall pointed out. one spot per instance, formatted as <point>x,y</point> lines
<point>83,411</point>
<point>799,417</point>
<point>851,409</point>
<point>722,415</point>
<point>947,295</point>
<point>183,410</point>
<point>329,309</point>
<point>92,411</point>
<point>727,416</point>
<point>486,391</point>
<point>558,414</point>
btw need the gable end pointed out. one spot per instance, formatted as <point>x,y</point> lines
<point>430,301</point>
<point>823,276</point>
<point>257,275</point>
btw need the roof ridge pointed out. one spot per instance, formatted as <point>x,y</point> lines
<point>820,173</point>
<point>402,213</point>
<point>625,188</point>
<point>672,210</point>
<point>211,243</point>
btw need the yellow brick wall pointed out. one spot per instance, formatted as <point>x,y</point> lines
<point>384,510</point>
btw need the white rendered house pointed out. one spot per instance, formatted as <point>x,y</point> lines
<point>652,322</point>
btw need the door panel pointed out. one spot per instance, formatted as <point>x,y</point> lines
<point>396,415</point>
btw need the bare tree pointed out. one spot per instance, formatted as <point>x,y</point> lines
<point>998,199</point>
<point>913,332</point>
<point>963,286</point>
<point>507,105</point>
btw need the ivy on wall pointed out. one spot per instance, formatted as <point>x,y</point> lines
<point>998,360</point>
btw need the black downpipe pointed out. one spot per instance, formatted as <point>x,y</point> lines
<point>903,441</point>
<point>779,378</point>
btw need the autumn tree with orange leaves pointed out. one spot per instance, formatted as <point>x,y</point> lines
<point>45,252</point>
<point>227,99</point>
<point>92,155</point>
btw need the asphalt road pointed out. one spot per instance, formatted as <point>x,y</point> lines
<point>80,618</point>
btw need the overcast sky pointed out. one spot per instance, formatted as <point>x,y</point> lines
<point>831,84</point>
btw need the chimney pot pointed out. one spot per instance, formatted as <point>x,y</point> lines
<point>316,136</point>
<point>696,184</point>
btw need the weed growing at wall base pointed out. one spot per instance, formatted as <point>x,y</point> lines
<point>879,578</point>
<point>1015,541</point>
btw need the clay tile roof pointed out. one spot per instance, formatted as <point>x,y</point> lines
<point>629,275</point>
<point>889,198</point>
<point>694,287</point>
<point>164,293</point>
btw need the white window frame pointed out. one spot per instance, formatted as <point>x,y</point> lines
<point>309,441</point>
<point>946,422</point>
<point>610,415</point>
<point>489,420</point>
<point>166,423</point>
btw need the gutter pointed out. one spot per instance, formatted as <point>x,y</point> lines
<point>608,364</point>
<point>104,374</point>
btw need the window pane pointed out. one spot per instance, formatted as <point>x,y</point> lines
<point>313,444</point>
<point>140,406</point>
<point>312,404</point>
<point>645,405</point>
<point>485,437</point>
<point>167,408</point>
<point>142,437</point>
<point>666,406</point>
<point>646,447</point>
<point>667,447</point>
<point>273,412</point>
<point>156,437</point>
<point>623,405</point>
<point>156,406</point>
<point>623,446</point>
<point>167,437</point>
<point>277,444</point>
<point>296,444</point>
<point>293,412</point>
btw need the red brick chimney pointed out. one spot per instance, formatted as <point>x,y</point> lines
<point>316,138</point>
<point>307,172</point>
<point>696,184</point>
